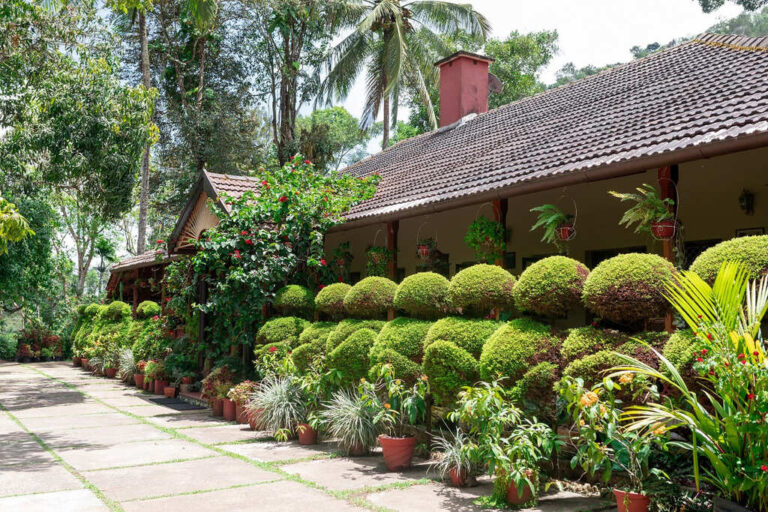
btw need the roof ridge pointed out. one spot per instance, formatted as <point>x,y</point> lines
<point>733,41</point>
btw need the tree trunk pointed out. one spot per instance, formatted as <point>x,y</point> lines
<point>144,193</point>
<point>385,139</point>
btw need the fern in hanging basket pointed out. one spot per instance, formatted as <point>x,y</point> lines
<point>551,219</point>
<point>486,238</point>
<point>379,258</point>
<point>648,209</point>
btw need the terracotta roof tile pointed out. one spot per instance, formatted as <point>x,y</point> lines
<point>147,259</point>
<point>233,185</point>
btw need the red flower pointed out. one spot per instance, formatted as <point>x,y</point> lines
<point>323,262</point>
<point>282,199</point>
<point>273,349</point>
<point>249,242</point>
<point>741,356</point>
<point>764,468</point>
<point>594,324</point>
<point>321,286</point>
<point>341,279</point>
<point>743,361</point>
<point>307,162</point>
<point>704,351</point>
<point>160,242</point>
<point>751,396</point>
<point>699,359</point>
<point>755,353</point>
<point>243,232</point>
<point>265,183</point>
<point>709,336</point>
<point>155,318</point>
<point>727,364</point>
<point>711,372</point>
<point>236,254</point>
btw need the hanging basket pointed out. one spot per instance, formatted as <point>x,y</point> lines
<point>425,247</point>
<point>664,229</point>
<point>424,251</point>
<point>566,232</point>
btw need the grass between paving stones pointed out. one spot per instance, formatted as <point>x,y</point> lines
<point>354,497</point>
<point>310,458</point>
<point>203,491</point>
<point>158,463</point>
<point>38,492</point>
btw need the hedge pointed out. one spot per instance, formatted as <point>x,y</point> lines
<point>448,368</point>
<point>629,288</point>
<point>551,287</point>
<point>478,289</point>
<point>151,341</point>
<point>403,367</point>
<point>351,357</point>
<point>424,295</point>
<point>285,329</point>
<point>403,335</point>
<point>330,300</point>
<point>303,355</point>
<point>147,309</point>
<point>370,298</point>
<point>468,333</point>
<point>317,333</point>
<point>535,391</point>
<point>583,341</point>
<point>751,251</point>
<point>516,347</point>
<point>681,350</point>
<point>294,300</point>
<point>346,328</point>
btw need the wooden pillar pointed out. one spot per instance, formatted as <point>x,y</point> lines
<point>668,177</point>
<point>500,208</point>
<point>135,277</point>
<point>392,228</point>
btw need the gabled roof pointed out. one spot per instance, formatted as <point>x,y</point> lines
<point>702,98</point>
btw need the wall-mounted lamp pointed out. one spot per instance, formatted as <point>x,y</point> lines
<point>747,202</point>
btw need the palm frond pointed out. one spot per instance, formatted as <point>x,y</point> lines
<point>343,65</point>
<point>447,17</point>
<point>202,12</point>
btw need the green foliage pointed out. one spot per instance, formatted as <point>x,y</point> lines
<point>118,311</point>
<point>535,391</point>
<point>583,341</point>
<point>281,404</point>
<point>377,261</point>
<point>750,251</point>
<point>423,295</point>
<point>294,300</point>
<point>467,333</point>
<point>648,207</point>
<point>303,355</point>
<point>317,333</point>
<point>283,329</point>
<point>347,327</point>
<point>330,300</point>
<point>353,417</point>
<point>151,341</point>
<point>449,368</point>
<point>13,226</point>
<point>748,5</point>
<point>487,239</point>
<point>681,351</point>
<point>480,288</point>
<point>629,288</point>
<point>147,309</point>
<point>516,347</point>
<point>551,287</point>
<point>593,367</point>
<point>370,298</point>
<point>403,335</point>
<point>8,344</point>
<point>330,137</point>
<point>351,356</point>
<point>550,218</point>
<point>402,367</point>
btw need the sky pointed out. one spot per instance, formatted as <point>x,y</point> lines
<point>597,32</point>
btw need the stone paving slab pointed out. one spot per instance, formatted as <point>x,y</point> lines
<point>274,497</point>
<point>227,433</point>
<point>59,411</point>
<point>186,419</point>
<point>81,500</point>
<point>107,420</point>
<point>8,426</point>
<point>126,401</point>
<point>131,454</point>
<point>20,448</point>
<point>99,436</point>
<point>354,473</point>
<point>178,477</point>
<point>267,451</point>
<point>148,410</point>
<point>28,479</point>
<point>28,401</point>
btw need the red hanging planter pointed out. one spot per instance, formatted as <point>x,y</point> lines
<point>663,229</point>
<point>566,232</point>
<point>424,251</point>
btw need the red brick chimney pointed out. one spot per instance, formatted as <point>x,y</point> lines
<point>463,86</point>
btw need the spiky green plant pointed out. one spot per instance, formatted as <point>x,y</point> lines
<point>354,419</point>
<point>281,405</point>
<point>648,207</point>
<point>127,364</point>
<point>456,453</point>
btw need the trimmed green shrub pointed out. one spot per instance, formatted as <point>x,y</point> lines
<point>583,341</point>
<point>81,309</point>
<point>294,300</point>
<point>148,309</point>
<point>351,357</point>
<point>535,391</point>
<point>403,335</point>
<point>330,300</point>
<point>92,310</point>
<point>117,311</point>
<point>424,295</point>
<point>480,288</point>
<point>468,333</point>
<point>515,347</point>
<point>551,287</point>
<point>592,367</point>
<point>370,298</point>
<point>403,367</point>
<point>151,341</point>
<point>346,328</point>
<point>449,368</point>
<point>277,346</point>
<point>303,355</point>
<point>681,350</point>
<point>8,345</point>
<point>285,329</point>
<point>317,333</point>
<point>628,288</point>
<point>751,251</point>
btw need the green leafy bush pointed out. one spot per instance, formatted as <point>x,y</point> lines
<point>551,287</point>
<point>303,355</point>
<point>92,310</point>
<point>8,344</point>
<point>591,368</point>
<point>582,341</point>
<point>284,329</point>
<point>424,295</point>
<point>480,288</point>
<point>370,298</point>
<point>351,356</point>
<point>629,288</point>
<point>147,309</point>
<point>751,251</point>
<point>516,347</point>
<point>681,350</point>
<point>330,300</point>
<point>346,328</point>
<point>294,300</point>
<point>449,368</point>
<point>151,342</point>
<point>403,367</point>
<point>468,333</point>
<point>535,391</point>
<point>403,335</point>
<point>117,311</point>
<point>317,333</point>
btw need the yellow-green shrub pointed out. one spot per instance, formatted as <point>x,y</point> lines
<point>284,329</point>
<point>348,326</point>
<point>330,300</point>
<point>351,357</point>
<point>448,368</point>
<point>468,333</point>
<point>403,367</point>
<point>480,288</point>
<point>750,251</point>
<point>294,300</point>
<point>370,298</point>
<point>424,295</point>
<point>551,286</point>
<point>403,335</point>
<point>516,347</point>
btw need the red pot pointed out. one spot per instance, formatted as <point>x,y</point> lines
<point>423,251</point>
<point>170,391</point>
<point>148,384</point>
<point>631,501</point>
<point>254,419</point>
<point>358,450</point>
<point>565,232</point>
<point>138,379</point>
<point>398,451</point>
<point>76,361</point>
<point>228,409</point>
<point>187,380</point>
<point>110,372</point>
<point>84,363</point>
<point>513,498</point>
<point>663,230</point>
<point>307,435</point>
<point>458,477</point>
<point>241,414</point>
<point>160,386</point>
<point>218,407</point>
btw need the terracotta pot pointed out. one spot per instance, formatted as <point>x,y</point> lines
<point>84,363</point>
<point>218,407</point>
<point>663,230</point>
<point>307,435</point>
<point>254,419</point>
<point>138,379</point>
<point>358,450</point>
<point>160,386</point>
<point>398,451</point>
<point>631,501</point>
<point>187,380</point>
<point>458,477</point>
<point>241,414</point>
<point>228,409</point>
<point>170,391</point>
<point>513,498</point>
<point>423,251</point>
<point>148,386</point>
<point>565,232</point>
<point>110,372</point>
<point>76,361</point>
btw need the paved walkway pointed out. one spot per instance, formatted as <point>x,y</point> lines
<point>73,442</point>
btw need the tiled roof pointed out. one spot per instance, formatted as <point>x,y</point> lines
<point>698,96</point>
<point>147,259</point>
<point>233,185</point>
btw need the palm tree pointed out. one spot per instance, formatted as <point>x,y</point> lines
<point>396,44</point>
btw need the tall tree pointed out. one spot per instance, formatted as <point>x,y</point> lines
<point>749,5</point>
<point>330,138</point>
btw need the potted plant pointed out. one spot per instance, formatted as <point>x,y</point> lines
<point>110,364</point>
<point>155,371</point>
<point>46,354</point>
<point>215,386</point>
<point>378,258</point>
<point>486,238</point>
<point>240,394</point>
<point>127,365</point>
<point>281,405</point>
<point>354,418</point>
<point>170,391</point>
<point>138,377</point>
<point>425,248</point>
<point>558,226</point>
<point>76,361</point>
<point>317,385</point>
<point>456,460</point>
<point>24,354</point>
<point>650,212</point>
<point>228,407</point>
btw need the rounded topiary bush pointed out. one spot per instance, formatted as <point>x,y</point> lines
<point>751,251</point>
<point>403,335</point>
<point>346,328</point>
<point>330,300</point>
<point>551,287</point>
<point>117,311</point>
<point>303,355</point>
<point>370,298</point>
<point>281,330</point>
<point>592,368</point>
<point>424,295</point>
<point>583,341</point>
<point>294,300</point>
<point>468,333</point>
<point>148,309</point>
<point>628,288</point>
<point>535,391</point>
<point>449,368</point>
<point>92,310</point>
<point>403,367</point>
<point>515,347</point>
<point>317,333</point>
<point>480,288</point>
<point>351,357</point>
<point>681,351</point>
<point>81,309</point>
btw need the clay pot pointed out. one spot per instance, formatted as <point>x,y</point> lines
<point>170,391</point>
<point>84,363</point>
<point>187,380</point>
<point>458,477</point>
<point>307,435</point>
<point>565,232</point>
<point>664,229</point>
<point>138,379</point>
<point>254,419</point>
<point>148,384</point>
<point>358,450</point>
<point>228,409</point>
<point>241,414</point>
<point>398,451</point>
<point>160,386</point>
<point>513,498</point>
<point>631,501</point>
<point>423,251</point>
<point>110,372</point>
<point>218,407</point>
<point>76,361</point>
